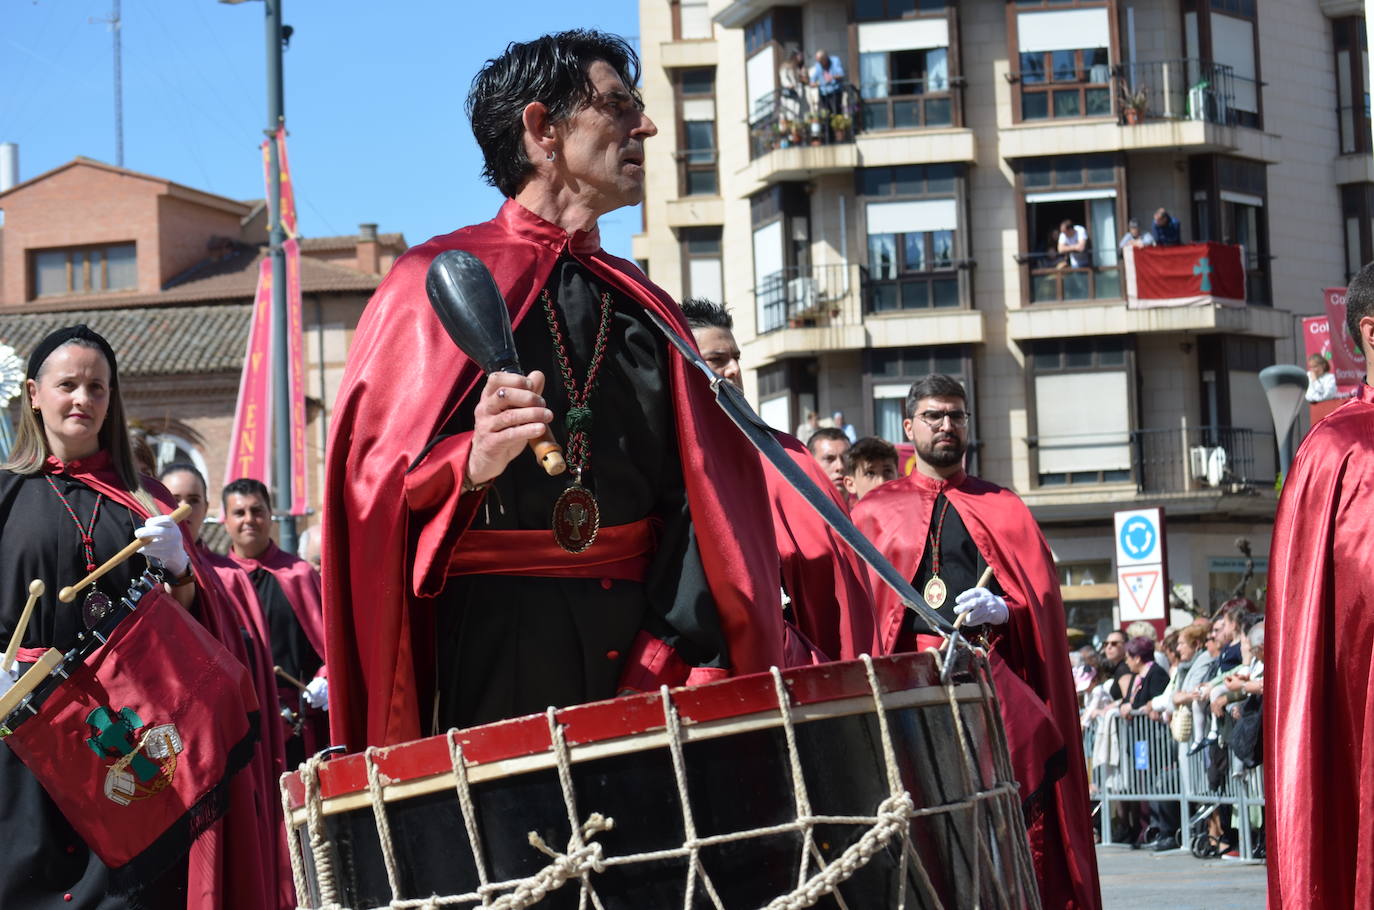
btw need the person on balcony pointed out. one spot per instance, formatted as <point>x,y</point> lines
<point>791,83</point>
<point>1134,238</point>
<point>1166,228</point>
<point>1073,245</point>
<point>827,74</point>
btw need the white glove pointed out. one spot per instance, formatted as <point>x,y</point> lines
<point>164,543</point>
<point>316,694</point>
<point>982,607</point>
<point>9,677</point>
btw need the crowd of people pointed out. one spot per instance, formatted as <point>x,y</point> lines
<point>1203,686</point>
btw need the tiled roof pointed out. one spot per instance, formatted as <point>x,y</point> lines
<point>234,277</point>
<point>348,242</point>
<point>149,341</point>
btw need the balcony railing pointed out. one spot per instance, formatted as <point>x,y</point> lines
<point>905,104</point>
<point>1187,89</point>
<point>1202,458</point>
<point>937,288</point>
<point>1186,459</point>
<point>1054,277</point>
<point>783,120</point>
<point>803,297</point>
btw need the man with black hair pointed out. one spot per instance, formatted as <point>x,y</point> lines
<point>868,464</point>
<point>942,528</point>
<point>654,551</point>
<point>288,590</point>
<point>1319,654</point>
<point>828,445</point>
<point>824,582</point>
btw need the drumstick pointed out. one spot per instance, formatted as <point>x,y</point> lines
<point>291,679</point>
<point>68,594</point>
<point>982,583</point>
<point>36,589</point>
<point>40,671</point>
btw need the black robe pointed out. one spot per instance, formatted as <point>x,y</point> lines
<point>511,645</point>
<point>42,860</point>
<point>960,564</point>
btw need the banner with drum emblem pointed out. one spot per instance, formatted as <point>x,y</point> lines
<point>136,746</point>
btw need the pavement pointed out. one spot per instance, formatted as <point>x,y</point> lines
<point>1176,880</point>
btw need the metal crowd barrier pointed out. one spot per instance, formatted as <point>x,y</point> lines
<point>1139,761</point>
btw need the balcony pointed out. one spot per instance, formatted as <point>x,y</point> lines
<point>1054,280</point>
<point>1186,104</point>
<point>790,138</point>
<point>1228,459</point>
<point>909,104</point>
<point>683,54</point>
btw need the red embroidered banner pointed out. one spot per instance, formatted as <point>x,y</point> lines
<point>1346,360</point>
<point>288,192</point>
<point>295,338</point>
<point>1195,274</point>
<point>250,446</point>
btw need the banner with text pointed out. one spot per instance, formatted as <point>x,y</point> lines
<point>1347,363</point>
<point>295,352</point>
<point>250,449</point>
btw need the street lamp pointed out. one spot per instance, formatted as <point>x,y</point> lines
<point>1285,386</point>
<point>281,385</point>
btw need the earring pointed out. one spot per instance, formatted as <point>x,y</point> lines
<point>552,155</point>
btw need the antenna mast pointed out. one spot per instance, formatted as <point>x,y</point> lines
<point>115,23</point>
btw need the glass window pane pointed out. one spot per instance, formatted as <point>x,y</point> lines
<point>1099,102</point>
<point>1078,353</point>
<point>1038,172</point>
<point>940,177</point>
<point>939,112</point>
<point>1111,354</point>
<point>1035,105</point>
<point>1046,356</point>
<point>81,275</point>
<point>945,292</point>
<point>882,255</point>
<point>873,181</point>
<point>701,183</point>
<point>873,75</point>
<point>1075,285</point>
<point>1066,103</point>
<point>1044,287</point>
<point>1068,170</point>
<point>914,252</point>
<point>868,9</point>
<point>1352,245</point>
<point>1032,68</point>
<point>695,18</point>
<point>915,295</point>
<point>887,418</point>
<point>97,267</point>
<point>1065,66</point>
<point>1053,480</point>
<point>906,114</point>
<point>702,241</point>
<point>701,141</point>
<point>908,179</point>
<point>698,82</point>
<point>937,70</point>
<point>942,244</point>
<point>50,273</point>
<point>884,297</point>
<point>875,116</point>
<point>1100,169</point>
<point>1096,61</point>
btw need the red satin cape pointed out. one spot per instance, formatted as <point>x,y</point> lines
<point>299,582</point>
<point>393,519</point>
<point>1032,647</point>
<point>1319,670</point>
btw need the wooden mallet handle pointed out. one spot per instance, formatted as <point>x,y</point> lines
<point>982,583</point>
<point>68,594</point>
<point>549,453</point>
<point>289,678</point>
<point>36,589</point>
<point>40,671</point>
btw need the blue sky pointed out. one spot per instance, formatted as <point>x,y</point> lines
<point>374,99</point>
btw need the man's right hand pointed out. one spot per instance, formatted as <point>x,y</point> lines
<point>510,413</point>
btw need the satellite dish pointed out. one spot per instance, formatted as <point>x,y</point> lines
<point>11,375</point>
<point>1216,466</point>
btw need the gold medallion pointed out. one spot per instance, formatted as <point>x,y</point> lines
<point>935,592</point>
<point>576,518</point>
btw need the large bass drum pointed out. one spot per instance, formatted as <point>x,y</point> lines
<point>864,784</point>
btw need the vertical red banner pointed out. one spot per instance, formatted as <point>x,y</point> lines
<point>295,352</point>
<point>288,192</point>
<point>1346,360</point>
<point>250,449</point>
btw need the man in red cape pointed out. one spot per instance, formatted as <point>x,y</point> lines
<point>418,438</point>
<point>979,524</point>
<point>825,581</point>
<point>1319,656</point>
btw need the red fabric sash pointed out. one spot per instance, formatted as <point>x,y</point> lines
<point>161,681</point>
<point>299,582</point>
<point>621,552</point>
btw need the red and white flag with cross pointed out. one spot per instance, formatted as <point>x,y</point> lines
<point>1194,274</point>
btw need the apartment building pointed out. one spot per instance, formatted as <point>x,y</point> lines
<point>910,234</point>
<point>168,274</point>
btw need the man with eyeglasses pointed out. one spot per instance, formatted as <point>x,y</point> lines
<point>942,528</point>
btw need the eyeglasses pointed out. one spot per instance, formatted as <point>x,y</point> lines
<point>1109,643</point>
<point>935,419</point>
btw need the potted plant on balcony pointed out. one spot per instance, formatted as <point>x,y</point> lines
<point>783,139</point>
<point>815,128</point>
<point>1134,104</point>
<point>839,126</point>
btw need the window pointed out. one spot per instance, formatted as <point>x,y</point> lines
<point>914,242</point>
<point>1357,208</point>
<point>904,73</point>
<point>1082,394</point>
<point>781,223</point>
<point>1063,58</point>
<point>872,10</point>
<point>1352,84</point>
<point>87,270</point>
<point>1229,207</point>
<point>691,20</point>
<point>701,263</point>
<point>889,373</point>
<point>1084,190</point>
<point>696,105</point>
<point>1224,32</point>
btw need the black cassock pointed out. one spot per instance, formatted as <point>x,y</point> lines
<point>514,644</point>
<point>42,860</point>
